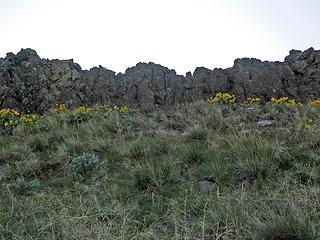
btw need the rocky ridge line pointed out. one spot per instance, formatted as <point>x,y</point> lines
<point>29,83</point>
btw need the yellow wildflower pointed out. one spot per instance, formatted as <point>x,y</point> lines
<point>252,100</point>
<point>315,103</point>
<point>121,109</point>
<point>225,98</point>
<point>309,124</point>
<point>8,123</point>
<point>60,108</point>
<point>124,109</point>
<point>29,119</point>
<point>285,101</point>
<point>109,108</point>
<point>7,112</point>
<point>82,110</point>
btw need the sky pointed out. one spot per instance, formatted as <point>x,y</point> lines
<point>179,34</point>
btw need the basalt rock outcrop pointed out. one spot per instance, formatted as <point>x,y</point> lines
<point>30,83</point>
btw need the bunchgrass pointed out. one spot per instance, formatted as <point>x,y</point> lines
<point>135,175</point>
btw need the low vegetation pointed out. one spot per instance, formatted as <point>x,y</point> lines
<point>209,170</point>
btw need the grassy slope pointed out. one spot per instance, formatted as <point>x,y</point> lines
<point>194,172</point>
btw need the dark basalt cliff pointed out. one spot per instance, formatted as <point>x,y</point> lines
<point>28,82</point>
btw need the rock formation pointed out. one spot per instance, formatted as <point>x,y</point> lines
<point>29,83</point>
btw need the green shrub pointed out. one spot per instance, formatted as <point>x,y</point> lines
<point>83,166</point>
<point>26,187</point>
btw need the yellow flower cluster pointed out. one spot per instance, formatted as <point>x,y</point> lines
<point>82,110</point>
<point>7,112</point>
<point>315,103</point>
<point>8,118</point>
<point>29,119</point>
<point>96,107</point>
<point>224,98</point>
<point>285,101</point>
<point>60,108</point>
<point>81,114</point>
<point>252,100</point>
<point>8,123</point>
<point>309,124</point>
<point>11,118</point>
<point>121,109</point>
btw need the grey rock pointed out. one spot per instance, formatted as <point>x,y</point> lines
<point>264,123</point>
<point>205,186</point>
<point>28,82</point>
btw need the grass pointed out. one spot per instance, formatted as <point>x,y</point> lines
<point>264,181</point>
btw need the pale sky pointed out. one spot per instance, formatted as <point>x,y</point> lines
<point>179,34</point>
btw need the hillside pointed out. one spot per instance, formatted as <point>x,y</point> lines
<point>220,169</point>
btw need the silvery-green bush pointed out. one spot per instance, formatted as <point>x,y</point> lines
<point>26,187</point>
<point>83,166</point>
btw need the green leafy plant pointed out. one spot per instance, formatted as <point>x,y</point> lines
<point>26,187</point>
<point>83,166</point>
